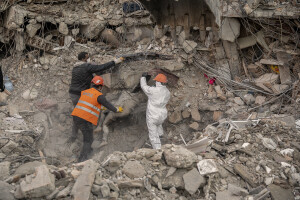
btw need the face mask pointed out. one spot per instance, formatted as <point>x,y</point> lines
<point>88,60</point>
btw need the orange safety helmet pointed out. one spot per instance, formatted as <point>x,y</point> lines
<point>161,78</point>
<point>98,80</point>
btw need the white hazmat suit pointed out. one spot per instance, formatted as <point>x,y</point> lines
<point>156,114</point>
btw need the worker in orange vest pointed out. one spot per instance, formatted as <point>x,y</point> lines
<point>86,113</point>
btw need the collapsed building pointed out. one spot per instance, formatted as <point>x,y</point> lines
<point>236,137</point>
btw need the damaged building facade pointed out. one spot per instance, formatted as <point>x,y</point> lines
<point>233,123</point>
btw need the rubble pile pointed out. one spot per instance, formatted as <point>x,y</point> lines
<point>233,118</point>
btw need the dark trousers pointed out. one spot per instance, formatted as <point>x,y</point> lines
<point>74,99</point>
<point>87,131</point>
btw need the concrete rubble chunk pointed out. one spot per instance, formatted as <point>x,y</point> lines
<point>39,185</point>
<point>28,168</point>
<point>32,29</point>
<point>171,65</point>
<point>175,117</point>
<point>230,29</point>
<point>110,36</point>
<point>196,115</point>
<point>130,183</point>
<point>252,40</point>
<point>237,191</point>
<point>193,180</point>
<point>5,193</point>
<point>245,174</point>
<point>266,81</point>
<point>194,126</point>
<point>186,114</point>
<point>105,190</point>
<point>279,88</point>
<point>83,184</point>
<point>63,28</point>
<point>179,157</point>
<point>278,193</point>
<point>260,100</point>
<point>227,195</point>
<point>207,166</point>
<point>174,180</point>
<point>9,147</point>
<point>249,98</point>
<point>134,169</point>
<point>189,46</point>
<point>239,101</point>
<point>4,170</point>
<point>93,29</point>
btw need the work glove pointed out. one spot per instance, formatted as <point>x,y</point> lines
<point>119,109</point>
<point>119,60</point>
<point>145,74</point>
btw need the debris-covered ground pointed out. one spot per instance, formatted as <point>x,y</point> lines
<point>233,118</point>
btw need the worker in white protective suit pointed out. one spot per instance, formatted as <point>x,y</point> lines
<point>156,114</point>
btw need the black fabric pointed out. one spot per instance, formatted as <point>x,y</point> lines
<point>74,98</point>
<point>2,86</point>
<point>87,131</point>
<point>82,76</point>
<point>103,101</point>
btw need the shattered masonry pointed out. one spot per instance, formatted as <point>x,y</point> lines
<point>233,118</point>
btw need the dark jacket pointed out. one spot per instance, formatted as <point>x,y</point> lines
<point>2,87</point>
<point>82,75</point>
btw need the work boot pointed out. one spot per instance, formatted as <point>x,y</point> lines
<point>85,152</point>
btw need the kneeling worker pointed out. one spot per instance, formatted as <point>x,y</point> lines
<point>87,111</point>
<point>156,114</point>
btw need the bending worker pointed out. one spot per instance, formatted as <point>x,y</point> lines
<point>86,113</point>
<point>156,114</point>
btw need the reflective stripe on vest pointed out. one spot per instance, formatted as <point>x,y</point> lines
<point>90,105</point>
<point>87,110</point>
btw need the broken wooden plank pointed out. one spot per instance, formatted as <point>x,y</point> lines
<point>83,184</point>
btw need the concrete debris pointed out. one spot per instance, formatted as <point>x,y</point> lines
<point>179,157</point>
<point>193,180</point>
<point>233,127</point>
<point>133,169</point>
<point>230,29</point>
<point>39,185</point>
<point>207,166</point>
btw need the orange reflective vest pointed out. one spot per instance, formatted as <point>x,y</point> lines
<point>88,107</point>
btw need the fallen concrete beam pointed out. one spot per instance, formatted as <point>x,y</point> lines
<point>83,184</point>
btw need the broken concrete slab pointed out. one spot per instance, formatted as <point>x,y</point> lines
<point>237,191</point>
<point>134,169</point>
<point>179,157</point>
<point>171,65</point>
<point>230,29</point>
<point>193,180</point>
<point>270,62</point>
<point>278,193</point>
<point>5,193</point>
<point>252,40</point>
<point>239,101</point>
<point>83,184</point>
<point>28,168</point>
<point>38,185</point>
<point>279,88</point>
<point>9,147</point>
<point>4,170</point>
<point>174,180</point>
<point>189,46</point>
<point>227,195</point>
<point>93,29</point>
<point>260,100</point>
<point>243,172</point>
<point>266,81</point>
